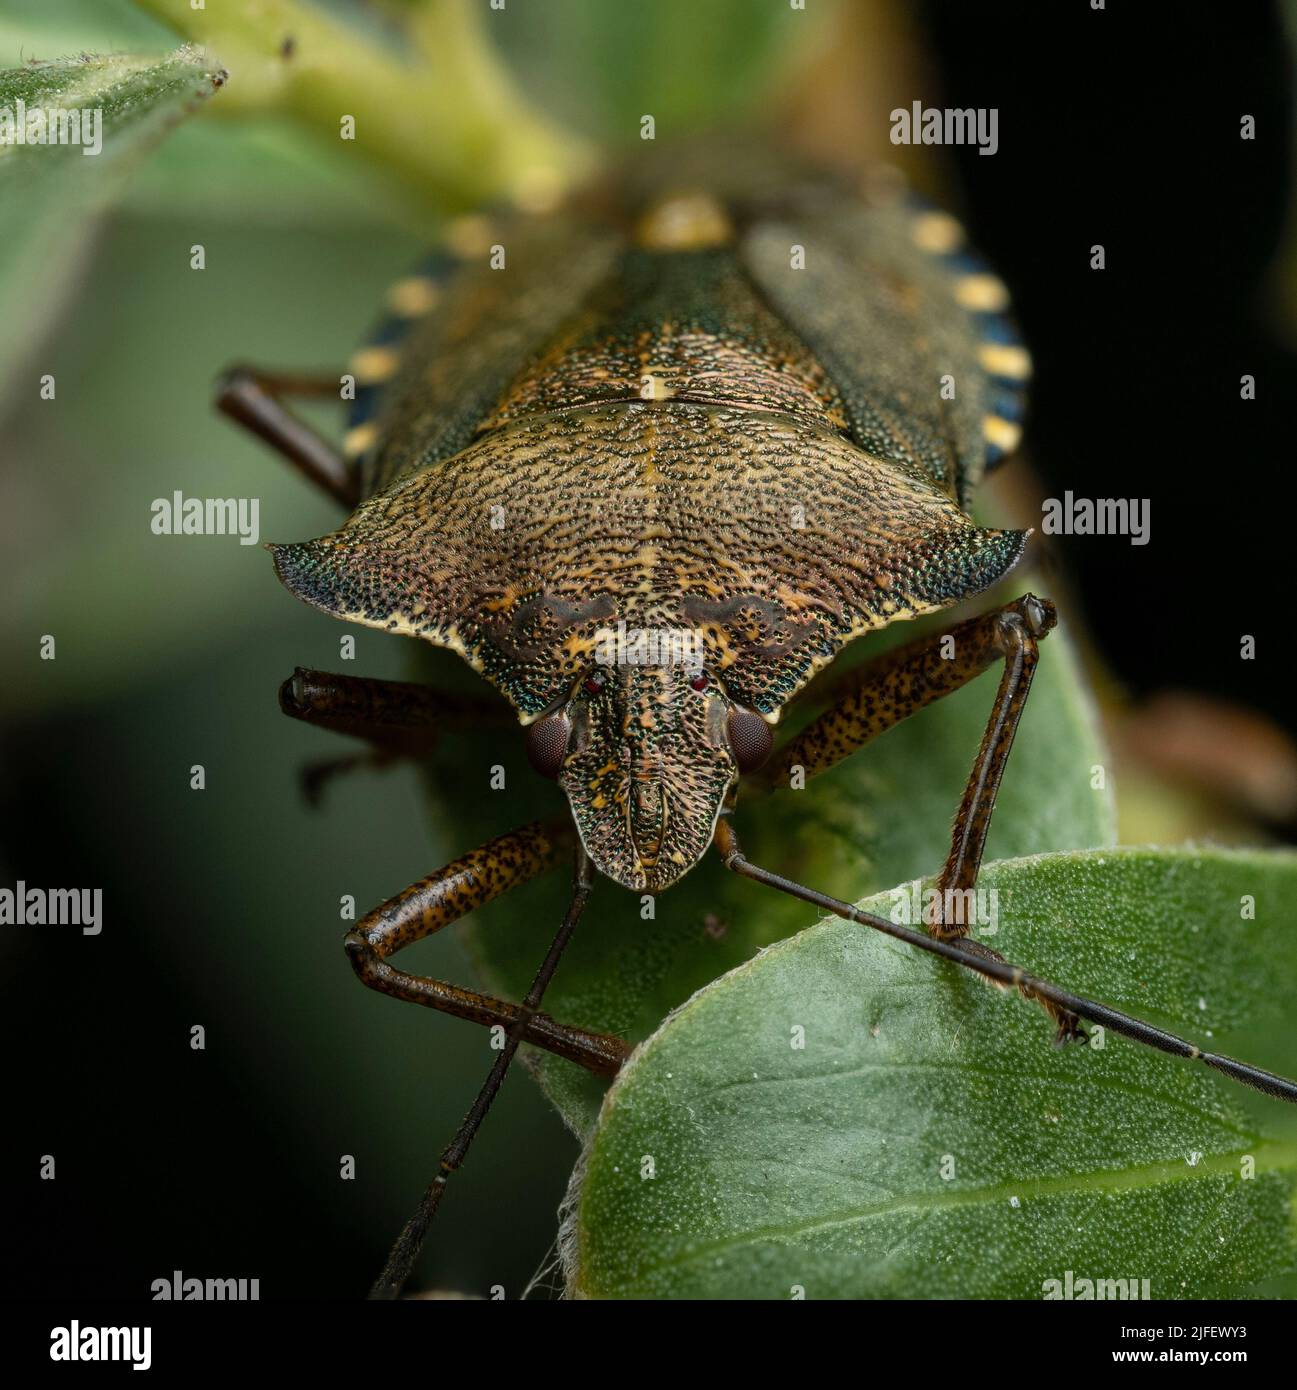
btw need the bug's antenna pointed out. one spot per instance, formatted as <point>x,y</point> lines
<point>1006,973</point>
<point>405,1250</point>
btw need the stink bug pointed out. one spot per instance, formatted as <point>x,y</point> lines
<point>648,477</point>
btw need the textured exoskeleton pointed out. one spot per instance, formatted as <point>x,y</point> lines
<point>650,464</point>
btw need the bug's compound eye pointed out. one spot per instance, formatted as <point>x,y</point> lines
<point>750,739</point>
<point>700,682</point>
<point>547,744</point>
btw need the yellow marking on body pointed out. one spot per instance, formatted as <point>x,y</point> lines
<point>937,232</point>
<point>357,441</point>
<point>508,597</point>
<point>684,222</point>
<point>414,296</point>
<point>983,293</point>
<point>372,365</point>
<point>1003,359</point>
<point>1004,434</point>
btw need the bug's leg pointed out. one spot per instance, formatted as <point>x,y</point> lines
<point>253,399</point>
<point>405,1251</point>
<point>889,689</point>
<point>1002,972</point>
<point>398,719</point>
<point>451,893</point>
<point>883,693</point>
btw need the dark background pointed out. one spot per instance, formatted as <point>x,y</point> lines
<point>1119,128</point>
<point>1122,128</point>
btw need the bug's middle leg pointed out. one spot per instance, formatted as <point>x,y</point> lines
<point>398,719</point>
<point>451,893</point>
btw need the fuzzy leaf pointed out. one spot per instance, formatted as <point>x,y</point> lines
<point>927,1142</point>
<point>51,193</point>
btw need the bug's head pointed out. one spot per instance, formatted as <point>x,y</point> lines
<point>646,755</point>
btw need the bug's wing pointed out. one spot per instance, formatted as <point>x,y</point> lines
<point>434,375</point>
<point>912,327</point>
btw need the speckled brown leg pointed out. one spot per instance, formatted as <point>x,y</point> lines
<point>252,398</point>
<point>436,901</point>
<point>1014,633</point>
<point>401,1259</point>
<point>398,719</point>
<point>884,692</point>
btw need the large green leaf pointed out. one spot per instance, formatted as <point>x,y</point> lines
<point>879,818</point>
<point>928,1142</point>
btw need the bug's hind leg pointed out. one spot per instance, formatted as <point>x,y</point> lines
<point>253,398</point>
<point>398,719</point>
<point>992,966</point>
<point>1015,633</point>
<point>451,893</point>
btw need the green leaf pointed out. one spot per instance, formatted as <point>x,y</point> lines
<point>927,1142</point>
<point>51,193</point>
<point>879,818</point>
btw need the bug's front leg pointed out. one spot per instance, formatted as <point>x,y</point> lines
<point>449,894</point>
<point>254,399</point>
<point>398,719</point>
<point>883,693</point>
<point>428,906</point>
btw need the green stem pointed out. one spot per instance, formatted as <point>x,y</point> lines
<point>446,118</point>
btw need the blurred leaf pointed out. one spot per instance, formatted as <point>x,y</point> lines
<point>879,818</point>
<point>50,194</point>
<point>133,421</point>
<point>776,1167</point>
